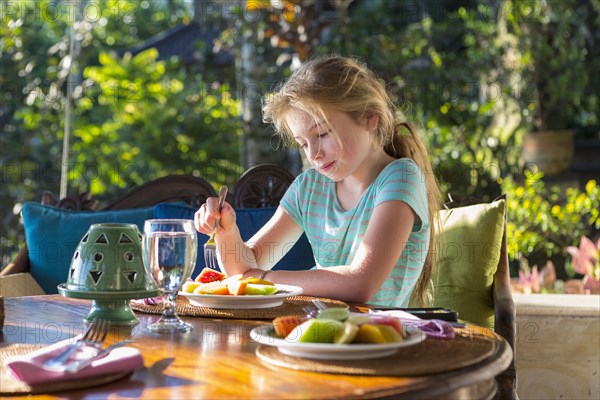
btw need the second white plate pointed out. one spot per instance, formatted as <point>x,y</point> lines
<point>329,351</point>
<point>245,301</point>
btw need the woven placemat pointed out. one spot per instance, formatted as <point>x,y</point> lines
<point>293,305</point>
<point>11,386</point>
<point>428,357</point>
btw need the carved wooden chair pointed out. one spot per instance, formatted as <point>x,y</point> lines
<point>260,186</point>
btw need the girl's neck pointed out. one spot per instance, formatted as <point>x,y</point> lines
<point>350,189</point>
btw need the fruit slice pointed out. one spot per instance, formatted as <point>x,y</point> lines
<point>359,319</point>
<point>208,275</point>
<point>257,289</point>
<point>216,287</point>
<point>314,331</point>
<point>391,321</point>
<point>285,324</point>
<point>258,281</point>
<point>190,286</point>
<point>232,278</point>
<point>346,334</point>
<point>389,333</point>
<point>236,288</point>
<point>369,333</point>
<point>337,313</point>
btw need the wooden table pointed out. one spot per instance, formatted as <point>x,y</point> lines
<point>217,360</point>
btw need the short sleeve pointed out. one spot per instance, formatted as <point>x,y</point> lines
<point>403,180</point>
<point>291,201</point>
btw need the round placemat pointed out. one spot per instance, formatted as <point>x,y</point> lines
<point>293,305</point>
<point>11,386</point>
<point>428,357</point>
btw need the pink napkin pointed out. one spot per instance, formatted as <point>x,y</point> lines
<point>29,369</point>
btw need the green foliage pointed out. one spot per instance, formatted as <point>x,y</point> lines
<point>548,219</point>
<point>142,118</point>
<point>558,42</point>
<point>129,125</point>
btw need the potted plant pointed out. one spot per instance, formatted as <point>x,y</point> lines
<point>552,40</point>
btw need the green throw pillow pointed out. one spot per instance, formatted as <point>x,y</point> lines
<point>468,251</point>
<point>52,234</point>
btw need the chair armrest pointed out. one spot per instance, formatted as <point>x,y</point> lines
<point>16,285</point>
<point>505,316</point>
<point>505,322</point>
<point>19,265</point>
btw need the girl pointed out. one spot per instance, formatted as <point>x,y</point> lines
<point>366,204</point>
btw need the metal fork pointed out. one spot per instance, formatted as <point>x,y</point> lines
<point>210,247</point>
<point>95,335</point>
<point>309,311</point>
<point>319,304</point>
<point>78,365</point>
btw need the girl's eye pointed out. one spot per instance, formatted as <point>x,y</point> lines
<point>322,134</point>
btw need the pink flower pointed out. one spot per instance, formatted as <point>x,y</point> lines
<point>586,257</point>
<point>530,282</point>
<point>591,285</point>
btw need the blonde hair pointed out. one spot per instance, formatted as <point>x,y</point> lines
<point>346,85</point>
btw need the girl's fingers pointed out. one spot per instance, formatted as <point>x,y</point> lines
<point>203,221</point>
<point>208,213</point>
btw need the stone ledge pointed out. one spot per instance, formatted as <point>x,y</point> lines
<point>551,304</point>
<point>557,352</point>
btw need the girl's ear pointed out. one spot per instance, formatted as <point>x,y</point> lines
<point>372,122</point>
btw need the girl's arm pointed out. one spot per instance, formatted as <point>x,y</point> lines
<point>262,251</point>
<point>382,245</point>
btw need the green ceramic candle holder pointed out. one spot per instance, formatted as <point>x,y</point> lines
<point>107,268</point>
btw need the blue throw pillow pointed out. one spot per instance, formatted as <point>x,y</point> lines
<point>52,234</point>
<point>249,220</point>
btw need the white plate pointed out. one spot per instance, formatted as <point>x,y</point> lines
<point>328,351</point>
<point>245,301</point>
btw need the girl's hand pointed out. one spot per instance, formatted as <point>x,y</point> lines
<point>205,217</point>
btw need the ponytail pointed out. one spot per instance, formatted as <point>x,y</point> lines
<point>406,143</point>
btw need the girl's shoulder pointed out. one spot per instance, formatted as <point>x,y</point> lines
<point>405,168</point>
<point>309,176</point>
<point>404,162</point>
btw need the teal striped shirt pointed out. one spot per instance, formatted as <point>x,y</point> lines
<point>335,234</point>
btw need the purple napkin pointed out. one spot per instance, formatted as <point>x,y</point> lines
<point>433,328</point>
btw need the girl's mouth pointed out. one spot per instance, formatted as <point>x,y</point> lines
<point>327,167</point>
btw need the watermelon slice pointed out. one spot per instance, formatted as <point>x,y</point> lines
<point>391,321</point>
<point>208,275</point>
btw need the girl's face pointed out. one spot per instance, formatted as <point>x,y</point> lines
<point>335,156</point>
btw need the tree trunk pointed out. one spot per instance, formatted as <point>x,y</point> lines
<point>260,144</point>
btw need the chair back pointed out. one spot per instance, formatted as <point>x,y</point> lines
<point>472,273</point>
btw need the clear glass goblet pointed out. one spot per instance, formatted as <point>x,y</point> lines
<point>169,251</point>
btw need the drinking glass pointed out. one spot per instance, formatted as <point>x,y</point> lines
<point>169,252</point>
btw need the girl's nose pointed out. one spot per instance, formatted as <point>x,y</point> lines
<point>314,151</point>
